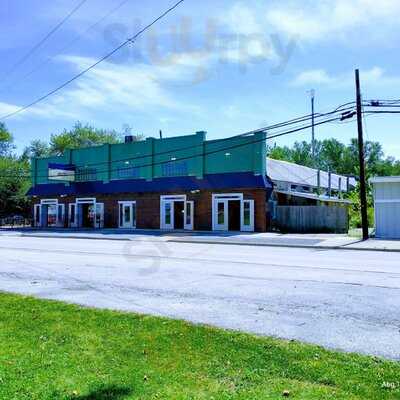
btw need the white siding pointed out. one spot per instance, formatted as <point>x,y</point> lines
<point>387,210</point>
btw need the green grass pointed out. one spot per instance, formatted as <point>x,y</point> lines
<point>51,350</point>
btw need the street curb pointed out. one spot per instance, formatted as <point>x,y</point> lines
<point>73,237</point>
<point>296,246</point>
<point>286,246</point>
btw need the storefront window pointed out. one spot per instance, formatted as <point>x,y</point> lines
<point>37,215</point>
<point>72,214</point>
<point>52,215</point>
<point>121,214</point>
<point>127,214</point>
<point>221,213</point>
<point>134,215</point>
<point>188,213</point>
<point>246,212</point>
<point>167,213</point>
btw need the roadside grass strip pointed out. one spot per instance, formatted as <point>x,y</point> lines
<point>51,350</point>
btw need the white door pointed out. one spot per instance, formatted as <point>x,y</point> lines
<point>127,215</point>
<point>99,218</point>
<point>189,213</point>
<point>247,216</point>
<point>167,214</point>
<point>220,215</point>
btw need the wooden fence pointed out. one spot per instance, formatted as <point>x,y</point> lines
<point>312,219</point>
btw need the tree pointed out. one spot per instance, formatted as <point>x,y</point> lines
<point>14,183</point>
<point>14,177</point>
<point>37,148</point>
<point>331,155</point>
<point>279,153</point>
<point>81,136</point>
<point>302,154</point>
<point>6,140</point>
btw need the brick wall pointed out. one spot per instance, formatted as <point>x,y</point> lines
<point>148,207</point>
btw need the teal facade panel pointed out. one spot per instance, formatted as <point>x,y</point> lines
<point>152,158</point>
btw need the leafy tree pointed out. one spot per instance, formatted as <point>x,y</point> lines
<point>279,153</point>
<point>6,140</point>
<point>302,154</point>
<point>81,136</point>
<point>14,177</point>
<point>37,148</point>
<point>331,155</point>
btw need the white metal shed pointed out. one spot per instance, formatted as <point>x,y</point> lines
<point>387,206</point>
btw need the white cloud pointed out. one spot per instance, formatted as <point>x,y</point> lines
<point>333,19</point>
<point>245,39</point>
<point>242,20</point>
<point>43,110</point>
<point>320,77</point>
<point>311,77</point>
<point>6,108</point>
<point>310,20</point>
<point>118,88</point>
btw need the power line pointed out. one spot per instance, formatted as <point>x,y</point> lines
<point>382,112</point>
<point>177,150</point>
<point>108,55</point>
<point>42,41</point>
<point>67,46</point>
<point>201,154</point>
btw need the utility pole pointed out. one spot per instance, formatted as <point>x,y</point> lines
<point>363,190</point>
<point>312,94</point>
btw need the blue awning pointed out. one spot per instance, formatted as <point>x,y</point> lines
<point>241,180</point>
<point>65,167</point>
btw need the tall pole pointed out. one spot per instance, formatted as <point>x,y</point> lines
<point>363,190</point>
<point>312,94</point>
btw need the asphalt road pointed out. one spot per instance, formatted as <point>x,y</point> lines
<point>348,300</point>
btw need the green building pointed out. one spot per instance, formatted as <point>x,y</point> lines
<point>184,182</point>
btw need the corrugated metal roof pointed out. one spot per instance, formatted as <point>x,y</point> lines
<point>296,174</point>
<point>314,196</point>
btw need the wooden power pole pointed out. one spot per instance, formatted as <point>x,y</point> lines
<point>363,190</point>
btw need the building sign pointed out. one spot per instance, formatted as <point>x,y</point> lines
<point>62,172</point>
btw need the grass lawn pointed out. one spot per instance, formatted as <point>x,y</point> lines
<point>50,350</point>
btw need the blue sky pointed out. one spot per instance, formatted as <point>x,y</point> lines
<point>225,68</point>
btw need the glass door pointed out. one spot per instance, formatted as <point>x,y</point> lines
<point>60,215</point>
<point>72,215</point>
<point>52,214</point>
<point>189,212</point>
<point>167,214</point>
<point>221,215</point>
<point>247,216</point>
<point>127,215</point>
<point>99,217</point>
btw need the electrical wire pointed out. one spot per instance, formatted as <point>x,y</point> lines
<point>108,55</point>
<point>67,46</point>
<point>241,135</point>
<point>43,40</point>
<point>202,154</point>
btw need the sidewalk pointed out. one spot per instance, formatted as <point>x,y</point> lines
<point>315,241</point>
<point>268,239</point>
